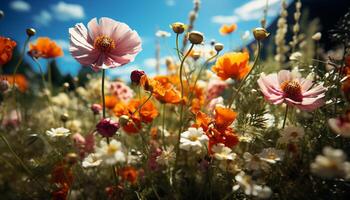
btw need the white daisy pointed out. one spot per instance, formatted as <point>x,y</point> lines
<point>194,139</point>
<point>58,132</point>
<point>271,155</point>
<point>291,134</point>
<point>221,152</point>
<point>332,164</point>
<point>111,153</point>
<point>167,156</point>
<point>91,161</point>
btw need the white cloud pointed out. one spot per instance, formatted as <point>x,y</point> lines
<point>220,19</point>
<point>152,62</point>
<point>64,44</point>
<point>43,18</point>
<point>20,6</point>
<point>252,10</point>
<point>65,11</point>
<point>170,2</point>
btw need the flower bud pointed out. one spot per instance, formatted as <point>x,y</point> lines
<point>30,32</point>
<point>136,75</point>
<point>196,55</point>
<point>71,158</point>
<point>123,120</point>
<point>4,85</point>
<point>107,128</point>
<point>218,47</point>
<point>64,117</point>
<point>317,36</point>
<point>260,33</point>
<point>96,108</point>
<point>178,27</point>
<point>195,37</point>
<point>66,85</point>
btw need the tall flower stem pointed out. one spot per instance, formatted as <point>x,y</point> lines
<point>256,60</point>
<point>104,116</point>
<point>27,170</point>
<point>177,47</point>
<point>285,117</point>
<point>163,126</point>
<point>182,103</point>
<point>16,69</point>
<point>200,72</point>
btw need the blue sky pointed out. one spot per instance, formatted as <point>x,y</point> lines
<point>53,18</point>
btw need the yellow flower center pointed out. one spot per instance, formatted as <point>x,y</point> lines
<point>193,138</point>
<point>112,149</point>
<point>104,43</point>
<point>292,90</point>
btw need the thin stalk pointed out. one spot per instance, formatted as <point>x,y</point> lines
<point>256,60</point>
<point>177,47</point>
<point>139,108</point>
<point>200,71</point>
<point>182,105</point>
<point>163,126</point>
<point>285,116</point>
<point>104,116</point>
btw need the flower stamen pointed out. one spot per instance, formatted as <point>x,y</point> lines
<point>292,90</point>
<point>104,43</point>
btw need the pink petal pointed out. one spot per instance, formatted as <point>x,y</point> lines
<point>94,29</point>
<point>284,75</point>
<point>305,84</point>
<point>319,89</point>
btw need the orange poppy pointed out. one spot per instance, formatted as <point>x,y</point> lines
<point>233,65</point>
<point>19,79</point>
<point>217,129</point>
<point>146,114</point>
<point>224,117</point>
<point>45,48</point>
<point>110,101</point>
<point>161,87</point>
<point>129,174</point>
<point>227,29</point>
<point>6,49</point>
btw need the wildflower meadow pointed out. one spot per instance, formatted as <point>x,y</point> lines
<point>265,118</point>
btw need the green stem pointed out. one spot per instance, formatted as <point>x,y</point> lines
<point>256,60</point>
<point>139,108</point>
<point>177,47</point>
<point>163,126</point>
<point>103,117</point>
<point>182,104</point>
<point>103,95</point>
<point>200,71</point>
<point>285,116</point>
<point>20,160</point>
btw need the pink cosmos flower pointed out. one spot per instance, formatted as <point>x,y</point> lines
<point>104,44</point>
<point>286,87</point>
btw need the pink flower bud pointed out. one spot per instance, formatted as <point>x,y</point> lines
<point>107,128</point>
<point>136,76</point>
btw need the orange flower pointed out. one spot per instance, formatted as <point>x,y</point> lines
<point>146,114</point>
<point>161,87</point>
<point>218,130</point>
<point>110,101</point>
<point>19,79</point>
<point>45,48</point>
<point>227,29</point>
<point>6,49</point>
<point>232,65</point>
<point>224,117</point>
<point>129,174</point>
